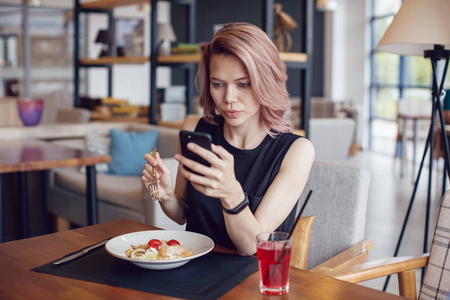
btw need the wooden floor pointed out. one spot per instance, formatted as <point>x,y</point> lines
<point>389,198</point>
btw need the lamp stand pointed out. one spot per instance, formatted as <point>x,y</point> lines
<point>434,55</point>
<point>104,51</point>
<point>165,47</point>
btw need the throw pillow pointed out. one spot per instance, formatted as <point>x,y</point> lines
<point>128,149</point>
<point>98,143</point>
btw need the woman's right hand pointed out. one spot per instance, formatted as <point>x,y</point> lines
<point>162,174</point>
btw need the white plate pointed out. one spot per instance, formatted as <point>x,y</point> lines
<point>199,244</point>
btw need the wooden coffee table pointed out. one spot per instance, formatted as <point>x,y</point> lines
<point>21,156</point>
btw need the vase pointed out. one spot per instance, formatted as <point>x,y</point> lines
<point>30,110</point>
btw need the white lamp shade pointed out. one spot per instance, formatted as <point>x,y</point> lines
<point>166,33</point>
<point>418,26</point>
<point>326,5</point>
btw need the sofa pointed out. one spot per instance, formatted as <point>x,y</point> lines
<point>119,196</point>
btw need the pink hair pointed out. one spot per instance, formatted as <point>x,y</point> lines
<point>266,70</point>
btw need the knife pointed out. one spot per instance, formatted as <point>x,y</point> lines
<point>81,252</point>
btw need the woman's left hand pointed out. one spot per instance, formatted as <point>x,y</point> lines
<point>218,180</point>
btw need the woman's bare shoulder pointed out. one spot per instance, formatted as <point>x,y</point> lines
<point>303,143</point>
<point>190,123</point>
<point>301,150</point>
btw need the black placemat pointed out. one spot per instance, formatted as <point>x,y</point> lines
<point>207,277</point>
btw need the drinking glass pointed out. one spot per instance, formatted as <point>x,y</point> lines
<point>273,250</point>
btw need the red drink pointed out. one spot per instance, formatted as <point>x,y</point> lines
<point>274,260</point>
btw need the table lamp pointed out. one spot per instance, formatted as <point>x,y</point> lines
<point>419,26</point>
<point>422,28</point>
<point>326,5</point>
<point>165,37</point>
<point>104,37</point>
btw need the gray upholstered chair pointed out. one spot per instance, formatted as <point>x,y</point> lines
<point>332,137</point>
<point>338,204</point>
<point>436,284</point>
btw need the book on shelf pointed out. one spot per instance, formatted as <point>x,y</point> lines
<point>186,48</point>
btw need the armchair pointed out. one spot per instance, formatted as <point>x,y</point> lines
<point>338,209</point>
<point>436,284</point>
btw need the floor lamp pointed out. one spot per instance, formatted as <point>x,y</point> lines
<point>422,28</point>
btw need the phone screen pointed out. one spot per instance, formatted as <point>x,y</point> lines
<point>200,138</point>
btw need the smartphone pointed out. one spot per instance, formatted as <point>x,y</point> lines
<point>200,138</point>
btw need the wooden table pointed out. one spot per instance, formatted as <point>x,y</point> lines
<point>18,282</point>
<point>21,156</point>
<point>414,117</point>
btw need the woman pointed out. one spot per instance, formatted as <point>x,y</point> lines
<point>258,167</point>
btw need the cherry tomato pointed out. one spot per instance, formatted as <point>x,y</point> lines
<point>154,243</point>
<point>172,243</point>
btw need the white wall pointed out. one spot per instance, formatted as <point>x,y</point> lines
<point>347,67</point>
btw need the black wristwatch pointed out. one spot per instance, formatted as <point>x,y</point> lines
<point>239,208</point>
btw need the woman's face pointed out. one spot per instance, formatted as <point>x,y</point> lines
<point>231,91</point>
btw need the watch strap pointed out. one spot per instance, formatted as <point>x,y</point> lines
<point>239,208</point>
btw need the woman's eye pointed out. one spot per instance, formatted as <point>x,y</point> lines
<point>244,85</point>
<point>216,84</point>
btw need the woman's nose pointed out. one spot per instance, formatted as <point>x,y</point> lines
<point>231,95</point>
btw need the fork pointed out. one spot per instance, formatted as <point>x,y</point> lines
<point>153,185</point>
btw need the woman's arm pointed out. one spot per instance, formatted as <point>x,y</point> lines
<point>172,200</point>
<point>278,201</point>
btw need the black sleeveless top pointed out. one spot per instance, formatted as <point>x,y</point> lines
<point>255,170</point>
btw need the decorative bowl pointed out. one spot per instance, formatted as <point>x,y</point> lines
<point>30,110</point>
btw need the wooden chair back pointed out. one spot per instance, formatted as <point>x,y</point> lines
<point>300,242</point>
<point>436,284</point>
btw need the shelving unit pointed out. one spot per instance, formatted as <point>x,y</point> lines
<point>299,60</point>
<point>166,59</point>
<point>26,73</point>
<point>175,61</point>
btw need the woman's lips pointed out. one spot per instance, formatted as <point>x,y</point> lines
<point>232,113</point>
